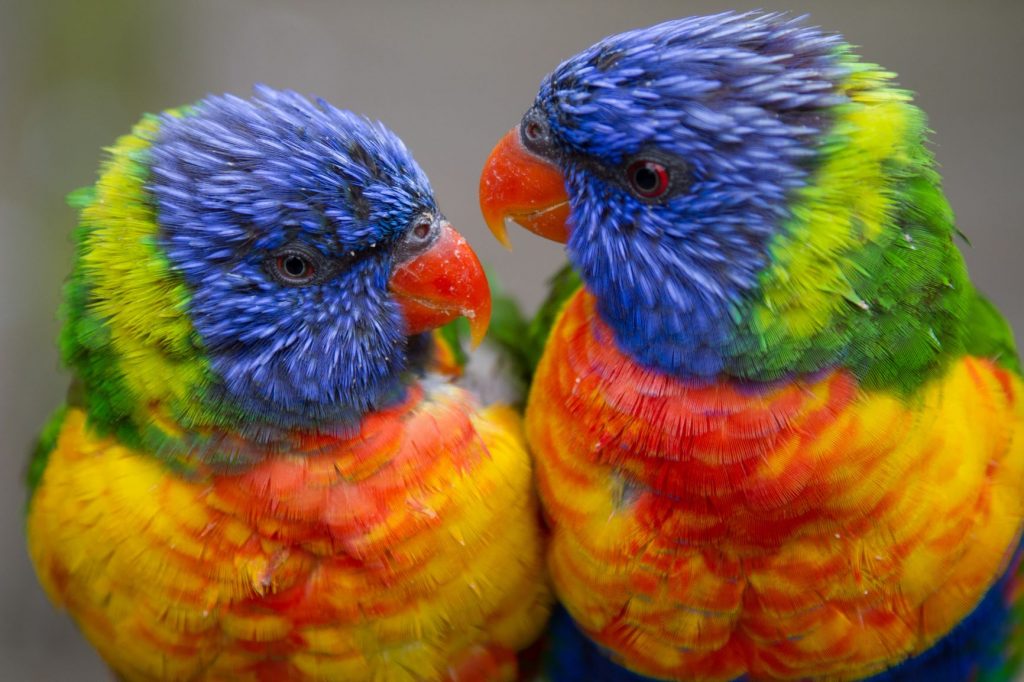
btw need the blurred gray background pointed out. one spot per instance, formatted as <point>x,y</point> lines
<point>449,78</point>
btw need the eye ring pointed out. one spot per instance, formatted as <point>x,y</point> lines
<point>648,179</point>
<point>421,233</point>
<point>422,229</point>
<point>295,268</point>
<point>533,131</point>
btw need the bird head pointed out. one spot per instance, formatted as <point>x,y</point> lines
<point>671,161</point>
<point>259,264</point>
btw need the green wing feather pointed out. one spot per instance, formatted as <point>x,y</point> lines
<point>988,335</point>
<point>45,444</point>
<point>509,328</point>
<point>564,284</point>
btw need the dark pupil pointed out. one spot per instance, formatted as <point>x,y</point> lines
<point>294,266</point>
<point>533,131</point>
<point>646,179</point>
<point>421,230</point>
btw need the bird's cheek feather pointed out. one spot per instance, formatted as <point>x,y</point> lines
<point>441,284</point>
<point>527,188</point>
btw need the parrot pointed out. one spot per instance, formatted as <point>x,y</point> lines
<point>778,434</point>
<point>263,470</point>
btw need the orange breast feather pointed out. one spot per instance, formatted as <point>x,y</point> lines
<point>707,532</point>
<point>407,552</point>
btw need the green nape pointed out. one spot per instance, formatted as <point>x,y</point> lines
<point>45,444</point>
<point>903,308</point>
<point>865,274</point>
<point>86,347</point>
<point>127,334</point>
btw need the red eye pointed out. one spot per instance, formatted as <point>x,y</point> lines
<point>294,268</point>
<point>648,179</point>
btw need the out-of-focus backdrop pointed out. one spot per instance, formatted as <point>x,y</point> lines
<point>449,78</point>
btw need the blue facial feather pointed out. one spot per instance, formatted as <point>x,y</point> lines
<point>234,182</point>
<point>740,102</point>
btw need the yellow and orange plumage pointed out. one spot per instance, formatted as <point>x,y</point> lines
<point>778,433</point>
<point>406,552</point>
<point>757,532</point>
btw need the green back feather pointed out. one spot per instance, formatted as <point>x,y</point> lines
<point>988,335</point>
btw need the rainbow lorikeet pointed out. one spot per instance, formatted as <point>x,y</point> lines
<point>256,476</point>
<point>778,433</point>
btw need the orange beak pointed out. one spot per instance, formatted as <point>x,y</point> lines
<point>444,282</point>
<point>522,186</point>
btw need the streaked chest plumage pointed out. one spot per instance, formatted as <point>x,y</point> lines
<point>409,551</point>
<point>806,528</point>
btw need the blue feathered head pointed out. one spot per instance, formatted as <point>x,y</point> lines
<point>665,157</point>
<point>308,245</point>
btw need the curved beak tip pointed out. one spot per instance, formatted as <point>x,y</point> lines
<point>496,224</point>
<point>479,321</point>
<point>519,185</point>
<point>441,284</point>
